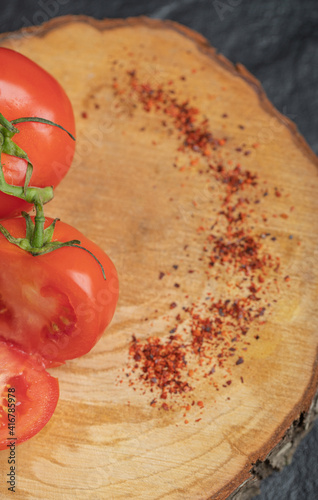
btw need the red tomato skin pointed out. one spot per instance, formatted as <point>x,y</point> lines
<point>36,393</point>
<point>40,290</point>
<point>27,90</point>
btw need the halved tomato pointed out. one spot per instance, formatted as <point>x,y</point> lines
<point>57,305</point>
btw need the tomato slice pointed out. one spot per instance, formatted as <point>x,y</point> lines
<point>28,396</point>
<point>55,306</point>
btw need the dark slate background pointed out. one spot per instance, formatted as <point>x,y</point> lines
<point>277,40</point>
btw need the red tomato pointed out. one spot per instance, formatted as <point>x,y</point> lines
<point>27,90</point>
<point>55,305</point>
<point>28,397</point>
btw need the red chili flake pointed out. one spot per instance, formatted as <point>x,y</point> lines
<point>287,278</point>
<point>196,134</point>
<point>243,251</point>
<point>219,327</point>
<point>84,114</point>
<point>162,364</point>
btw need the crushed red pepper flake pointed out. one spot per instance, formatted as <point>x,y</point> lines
<point>216,330</point>
<point>196,134</point>
<point>162,364</point>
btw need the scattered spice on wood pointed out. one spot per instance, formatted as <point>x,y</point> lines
<point>215,332</point>
<point>162,364</point>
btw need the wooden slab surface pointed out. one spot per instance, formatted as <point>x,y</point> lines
<point>151,202</point>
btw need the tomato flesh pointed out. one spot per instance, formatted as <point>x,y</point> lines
<point>28,396</point>
<point>33,314</point>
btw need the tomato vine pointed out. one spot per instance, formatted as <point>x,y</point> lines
<point>52,308</point>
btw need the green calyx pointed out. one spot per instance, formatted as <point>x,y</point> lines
<point>30,243</point>
<point>40,242</point>
<point>37,241</point>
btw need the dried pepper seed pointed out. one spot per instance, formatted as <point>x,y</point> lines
<point>239,361</point>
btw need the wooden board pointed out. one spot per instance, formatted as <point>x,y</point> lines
<point>146,197</point>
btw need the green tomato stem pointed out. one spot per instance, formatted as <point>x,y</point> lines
<point>37,240</point>
<point>8,126</point>
<point>29,194</point>
<point>39,120</point>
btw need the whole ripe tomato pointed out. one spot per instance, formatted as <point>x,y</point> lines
<point>27,90</point>
<point>55,306</point>
<point>28,396</point>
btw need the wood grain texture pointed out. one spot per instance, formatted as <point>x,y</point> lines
<point>105,440</point>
